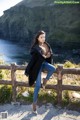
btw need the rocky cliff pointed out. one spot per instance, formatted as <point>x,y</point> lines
<point>60,21</point>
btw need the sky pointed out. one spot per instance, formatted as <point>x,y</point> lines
<point>6,4</point>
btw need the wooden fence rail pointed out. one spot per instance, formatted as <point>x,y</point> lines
<point>60,71</point>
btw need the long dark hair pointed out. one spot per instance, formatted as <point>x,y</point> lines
<point>35,41</point>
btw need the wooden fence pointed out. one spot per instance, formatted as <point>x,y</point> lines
<point>59,87</point>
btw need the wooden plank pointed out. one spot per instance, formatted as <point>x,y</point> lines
<point>69,87</point>
<point>5,67</point>
<point>13,78</point>
<point>71,71</point>
<point>5,82</point>
<point>20,67</point>
<point>27,85</point>
<point>59,84</point>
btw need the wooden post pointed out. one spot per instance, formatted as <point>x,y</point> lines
<point>13,78</point>
<point>59,84</point>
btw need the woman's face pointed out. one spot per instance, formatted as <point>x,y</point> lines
<point>41,38</point>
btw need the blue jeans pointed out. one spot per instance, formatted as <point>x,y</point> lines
<point>50,70</point>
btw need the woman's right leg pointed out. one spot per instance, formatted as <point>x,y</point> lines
<point>37,88</point>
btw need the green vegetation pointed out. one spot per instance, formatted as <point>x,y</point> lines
<point>5,94</point>
<point>69,64</point>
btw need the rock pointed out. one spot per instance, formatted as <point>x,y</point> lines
<point>76,95</point>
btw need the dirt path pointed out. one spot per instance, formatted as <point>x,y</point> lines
<point>45,112</point>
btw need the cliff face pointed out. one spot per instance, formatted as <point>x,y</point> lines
<point>61,22</point>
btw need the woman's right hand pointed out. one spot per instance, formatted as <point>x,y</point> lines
<point>44,56</point>
<point>48,55</point>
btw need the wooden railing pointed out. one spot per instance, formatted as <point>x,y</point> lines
<point>59,87</point>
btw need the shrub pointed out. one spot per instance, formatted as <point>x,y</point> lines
<point>1,75</point>
<point>5,94</point>
<point>68,64</point>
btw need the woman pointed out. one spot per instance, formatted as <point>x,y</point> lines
<point>41,60</point>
